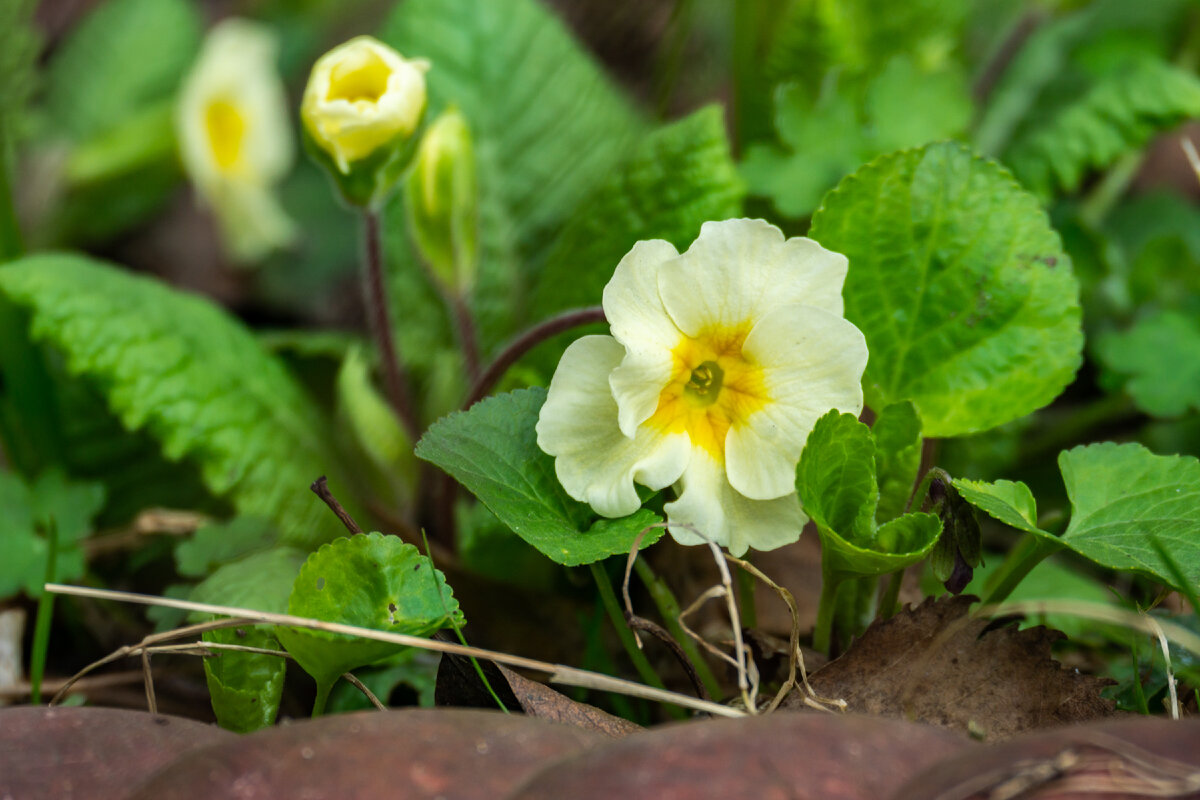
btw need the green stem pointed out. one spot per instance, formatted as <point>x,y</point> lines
<point>45,612</point>
<point>751,97</point>
<point>823,633</point>
<point>10,231</point>
<point>1074,424</point>
<point>891,593</point>
<point>1028,553</point>
<point>668,608</point>
<point>322,697</point>
<point>1094,208</point>
<point>609,598</point>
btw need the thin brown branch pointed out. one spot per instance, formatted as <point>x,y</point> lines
<point>321,489</point>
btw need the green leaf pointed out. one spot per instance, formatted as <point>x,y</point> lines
<point>678,177</point>
<point>1120,113</point>
<point>123,56</point>
<point>196,379</point>
<point>245,688</point>
<point>371,581</point>
<point>1159,358</point>
<point>492,451</point>
<point>547,126</point>
<point>823,141</point>
<point>836,483</point>
<point>217,544</point>
<point>962,289</point>
<point>26,512</point>
<point>1011,502</point>
<point>908,107</point>
<point>260,581</point>
<point>1122,494</point>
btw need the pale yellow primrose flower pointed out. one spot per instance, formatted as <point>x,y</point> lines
<point>361,96</point>
<point>720,362</point>
<point>234,137</point>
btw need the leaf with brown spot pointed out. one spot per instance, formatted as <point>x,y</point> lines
<point>936,664</point>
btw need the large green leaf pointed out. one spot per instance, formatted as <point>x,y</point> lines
<point>492,450</point>
<point>123,56</point>
<point>547,126</point>
<point>836,483</point>
<point>371,581</point>
<point>1160,356</point>
<point>679,177</point>
<point>182,369</point>
<point>962,289</point>
<point>1122,496</point>
<point>1121,112</point>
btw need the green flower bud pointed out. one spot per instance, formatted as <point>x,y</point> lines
<point>443,202</point>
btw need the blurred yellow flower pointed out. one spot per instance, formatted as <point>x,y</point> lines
<point>363,96</point>
<point>234,137</point>
<point>720,362</point>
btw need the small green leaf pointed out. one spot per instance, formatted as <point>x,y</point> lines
<point>26,512</point>
<point>909,107</point>
<point>1160,356</point>
<point>217,544</point>
<point>244,688</point>
<point>371,581</point>
<point>1121,494</point>
<point>1011,502</point>
<point>492,451</point>
<point>836,484</point>
<point>260,581</point>
<point>677,178</point>
<point>184,370</point>
<point>962,289</point>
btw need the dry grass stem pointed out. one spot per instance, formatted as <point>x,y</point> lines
<point>558,673</point>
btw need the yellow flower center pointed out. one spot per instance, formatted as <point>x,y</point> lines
<point>226,129</point>
<point>364,80</point>
<point>713,387</point>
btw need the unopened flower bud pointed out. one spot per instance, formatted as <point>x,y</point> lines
<point>361,108</point>
<point>443,201</point>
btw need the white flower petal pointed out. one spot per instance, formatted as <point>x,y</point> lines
<point>637,384</point>
<point>594,461</point>
<point>812,361</point>
<point>740,269</point>
<point>715,509</point>
<point>634,312</point>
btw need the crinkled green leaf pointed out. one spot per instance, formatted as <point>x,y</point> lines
<point>124,55</point>
<point>1011,502</point>
<point>1120,113</point>
<point>1159,358</point>
<point>1121,495</point>
<point>677,178</point>
<point>492,450</point>
<point>962,289</point>
<point>193,377</point>
<point>26,513</point>
<point>836,483</point>
<point>415,669</point>
<point>371,581</point>
<point>217,544</point>
<point>547,126</point>
<point>245,688</point>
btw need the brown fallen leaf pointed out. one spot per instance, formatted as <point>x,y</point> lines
<point>936,664</point>
<point>458,685</point>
